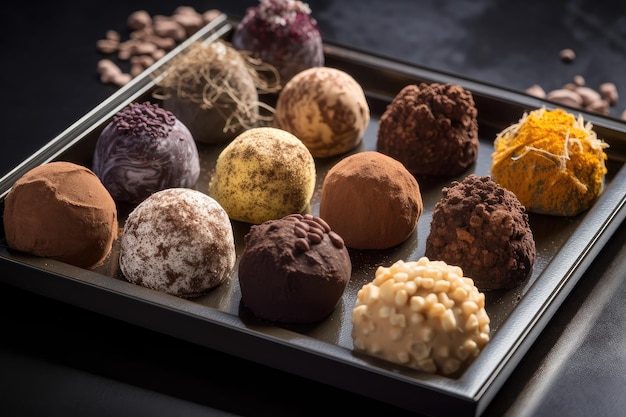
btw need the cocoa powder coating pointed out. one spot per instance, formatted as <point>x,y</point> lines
<point>371,200</point>
<point>431,128</point>
<point>61,211</point>
<point>484,229</point>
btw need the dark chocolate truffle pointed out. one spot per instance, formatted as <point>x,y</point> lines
<point>431,128</point>
<point>484,229</point>
<point>145,149</point>
<point>371,200</point>
<point>293,270</point>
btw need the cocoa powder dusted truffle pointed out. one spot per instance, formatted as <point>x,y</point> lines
<point>145,149</point>
<point>371,200</point>
<point>484,229</point>
<point>325,108</point>
<point>178,241</point>
<point>293,270</point>
<point>61,210</point>
<point>283,34</point>
<point>431,128</point>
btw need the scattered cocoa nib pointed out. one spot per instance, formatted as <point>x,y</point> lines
<point>576,94</point>
<point>150,38</point>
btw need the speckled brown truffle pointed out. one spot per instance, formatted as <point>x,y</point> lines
<point>371,200</point>
<point>431,128</point>
<point>325,108</point>
<point>293,270</point>
<point>482,228</point>
<point>178,241</point>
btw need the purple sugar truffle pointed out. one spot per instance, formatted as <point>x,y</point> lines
<point>145,149</point>
<point>281,33</point>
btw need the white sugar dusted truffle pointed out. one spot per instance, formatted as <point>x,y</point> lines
<point>423,314</point>
<point>325,108</point>
<point>179,241</point>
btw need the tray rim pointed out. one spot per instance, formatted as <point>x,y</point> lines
<point>471,393</point>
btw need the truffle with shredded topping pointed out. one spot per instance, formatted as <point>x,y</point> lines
<point>214,90</point>
<point>552,161</point>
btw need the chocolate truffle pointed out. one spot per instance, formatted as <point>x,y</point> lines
<point>371,201</point>
<point>214,90</point>
<point>283,34</point>
<point>145,149</point>
<point>265,173</point>
<point>431,128</point>
<point>61,210</point>
<point>482,228</point>
<point>293,270</point>
<point>422,314</point>
<point>552,161</point>
<point>178,241</point>
<point>325,108</point>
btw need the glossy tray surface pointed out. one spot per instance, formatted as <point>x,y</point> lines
<point>324,352</point>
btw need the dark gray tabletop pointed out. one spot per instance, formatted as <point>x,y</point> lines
<point>57,359</point>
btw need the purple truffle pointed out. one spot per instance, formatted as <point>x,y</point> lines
<point>281,33</point>
<point>145,149</point>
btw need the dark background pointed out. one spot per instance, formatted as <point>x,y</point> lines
<point>57,359</point>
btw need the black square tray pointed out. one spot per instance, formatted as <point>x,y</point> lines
<point>323,352</point>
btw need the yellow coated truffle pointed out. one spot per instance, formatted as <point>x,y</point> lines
<point>552,161</point>
<point>264,173</point>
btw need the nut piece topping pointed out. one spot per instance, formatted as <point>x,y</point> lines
<point>424,314</point>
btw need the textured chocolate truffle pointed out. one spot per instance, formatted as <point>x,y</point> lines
<point>263,174</point>
<point>293,270</point>
<point>61,211</point>
<point>482,228</point>
<point>283,34</point>
<point>424,314</point>
<point>178,241</point>
<point>371,200</point>
<point>145,149</point>
<point>325,108</point>
<point>553,162</point>
<point>214,90</point>
<point>431,128</point>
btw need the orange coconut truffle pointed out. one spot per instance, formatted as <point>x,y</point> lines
<point>553,162</point>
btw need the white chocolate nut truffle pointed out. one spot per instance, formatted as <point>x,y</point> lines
<point>178,241</point>
<point>325,108</point>
<point>424,314</point>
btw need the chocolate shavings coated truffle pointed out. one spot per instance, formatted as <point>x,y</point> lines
<point>482,228</point>
<point>431,128</point>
